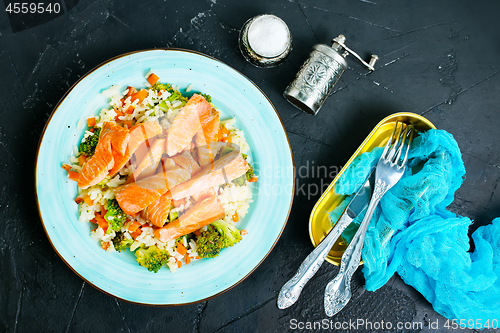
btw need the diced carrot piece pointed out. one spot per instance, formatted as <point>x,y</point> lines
<point>66,167</point>
<point>179,264</point>
<point>128,123</point>
<point>73,175</point>
<point>253,179</point>
<point>140,95</point>
<point>243,232</point>
<point>101,221</point>
<point>197,257</point>
<point>197,232</point>
<point>82,159</point>
<point>87,200</point>
<point>236,218</point>
<point>181,249</point>
<point>134,226</point>
<point>131,91</point>
<point>78,200</point>
<point>187,259</point>
<point>130,109</point>
<point>91,130</point>
<point>153,78</point>
<point>136,233</point>
<point>91,122</point>
<point>179,202</point>
<point>104,245</point>
<point>118,114</point>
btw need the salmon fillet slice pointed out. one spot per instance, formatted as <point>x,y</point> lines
<point>138,134</point>
<point>186,124</point>
<point>149,163</point>
<point>168,163</point>
<point>158,212</point>
<point>120,137</point>
<point>187,162</point>
<point>134,197</point>
<point>198,216</point>
<point>223,170</point>
<point>97,167</point>
<point>206,138</point>
<point>209,192</point>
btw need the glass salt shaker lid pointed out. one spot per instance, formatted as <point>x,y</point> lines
<point>265,40</point>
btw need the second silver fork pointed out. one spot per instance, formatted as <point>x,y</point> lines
<point>389,171</point>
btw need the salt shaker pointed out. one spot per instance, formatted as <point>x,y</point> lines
<point>320,72</point>
<point>265,40</point>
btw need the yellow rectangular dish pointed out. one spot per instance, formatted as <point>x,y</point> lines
<point>319,221</point>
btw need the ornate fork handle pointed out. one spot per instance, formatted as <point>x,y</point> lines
<point>338,291</point>
<point>291,290</point>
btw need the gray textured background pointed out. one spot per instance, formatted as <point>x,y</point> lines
<point>437,58</point>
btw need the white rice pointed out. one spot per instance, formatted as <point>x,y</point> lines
<point>235,199</point>
<point>236,135</point>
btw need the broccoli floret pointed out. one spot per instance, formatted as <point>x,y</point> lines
<point>115,216</point>
<point>87,147</point>
<point>250,172</point>
<point>209,244</point>
<point>175,95</point>
<point>229,233</point>
<point>220,234</point>
<point>121,243</point>
<point>159,86</point>
<point>151,258</point>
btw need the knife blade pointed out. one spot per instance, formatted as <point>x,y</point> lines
<point>291,290</point>
<point>360,201</point>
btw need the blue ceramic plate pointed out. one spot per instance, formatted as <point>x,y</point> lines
<point>118,273</point>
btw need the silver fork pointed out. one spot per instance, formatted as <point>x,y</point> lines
<point>389,171</point>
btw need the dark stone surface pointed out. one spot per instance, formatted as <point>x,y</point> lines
<point>437,58</point>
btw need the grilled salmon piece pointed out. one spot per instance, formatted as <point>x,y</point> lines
<point>120,137</point>
<point>149,163</point>
<point>134,197</point>
<point>138,134</point>
<point>198,216</point>
<point>97,167</point>
<point>157,213</point>
<point>186,124</point>
<point>206,139</point>
<point>209,192</point>
<point>221,171</point>
<point>187,162</point>
<point>168,163</point>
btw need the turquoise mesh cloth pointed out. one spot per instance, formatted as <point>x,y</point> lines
<point>413,234</point>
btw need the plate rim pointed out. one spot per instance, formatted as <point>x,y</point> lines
<point>65,95</point>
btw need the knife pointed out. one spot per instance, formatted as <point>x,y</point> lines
<point>291,290</point>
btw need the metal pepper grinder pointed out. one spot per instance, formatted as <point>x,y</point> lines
<point>320,72</point>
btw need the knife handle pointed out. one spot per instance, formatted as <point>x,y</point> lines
<point>291,290</point>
